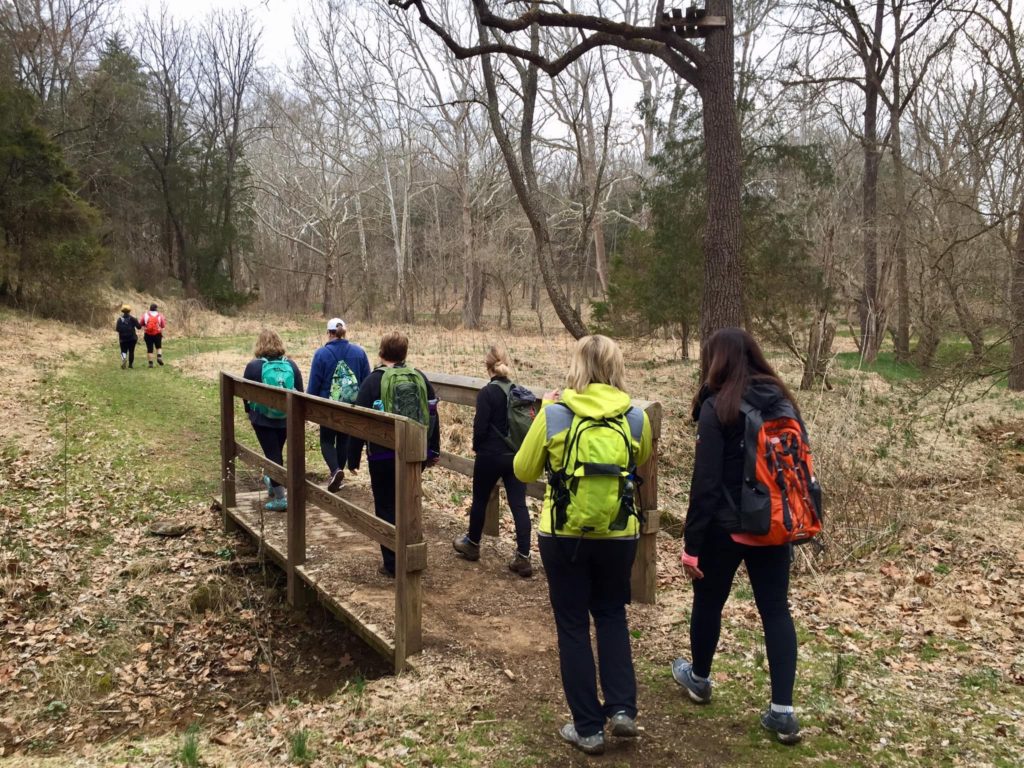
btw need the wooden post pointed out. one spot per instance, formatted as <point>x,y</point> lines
<point>410,452</point>
<point>227,449</point>
<point>645,567</point>
<point>493,512</point>
<point>296,487</point>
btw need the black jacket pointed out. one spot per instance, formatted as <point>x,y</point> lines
<point>718,465</point>
<point>254,372</point>
<point>126,326</point>
<point>491,419</point>
<point>369,393</point>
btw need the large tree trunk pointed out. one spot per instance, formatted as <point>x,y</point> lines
<point>722,302</point>
<point>867,306</point>
<point>900,202</point>
<point>473,286</point>
<point>1016,379</point>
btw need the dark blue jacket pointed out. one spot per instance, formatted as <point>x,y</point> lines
<point>326,360</point>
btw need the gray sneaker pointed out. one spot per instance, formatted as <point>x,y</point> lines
<point>467,548</point>
<point>682,673</point>
<point>624,726</point>
<point>520,565</point>
<point>591,745</point>
<point>784,725</point>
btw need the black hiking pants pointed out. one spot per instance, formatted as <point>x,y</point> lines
<point>334,449</point>
<point>128,348</point>
<point>382,483</point>
<point>271,440</point>
<point>768,569</point>
<point>488,469</point>
<point>590,577</point>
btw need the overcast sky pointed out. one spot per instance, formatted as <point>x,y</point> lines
<point>275,16</point>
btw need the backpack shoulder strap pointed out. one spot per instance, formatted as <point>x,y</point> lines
<point>635,419</point>
<point>558,417</point>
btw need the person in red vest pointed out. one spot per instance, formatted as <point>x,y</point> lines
<point>153,324</point>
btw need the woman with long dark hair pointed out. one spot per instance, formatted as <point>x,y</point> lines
<point>734,371</point>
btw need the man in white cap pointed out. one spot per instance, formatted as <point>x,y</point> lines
<point>339,367</point>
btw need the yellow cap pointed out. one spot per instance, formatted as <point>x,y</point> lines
<point>126,308</point>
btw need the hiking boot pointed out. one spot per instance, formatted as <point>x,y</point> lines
<point>520,565</point>
<point>682,673</point>
<point>150,363</point>
<point>337,481</point>
<point>276,505</point>
<point>784,725</point>
<point>160,360</point>
<point>124,364</point>
<point>624,726</point>
<point>467,548</point>
<point>269,486</point>
<point>591,745</point>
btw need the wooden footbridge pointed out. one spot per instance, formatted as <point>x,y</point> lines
<point>325,542</point>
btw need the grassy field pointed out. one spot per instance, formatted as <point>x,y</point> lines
<point>120,648</point>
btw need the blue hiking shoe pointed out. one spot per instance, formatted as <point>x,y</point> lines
<point>784,725</point>
<point>276,505</point>
<point>268,485</point>
<point>682,673</point>
<point>591,745</point>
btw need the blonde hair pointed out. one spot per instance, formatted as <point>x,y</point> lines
<point>269,344</point>
<point>596,360</point>
<point>498,363</point>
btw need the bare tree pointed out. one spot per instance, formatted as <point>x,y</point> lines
<point>167,52</point>
<point>228,46</point>
<point>998,37</point>
<point>709,70</point>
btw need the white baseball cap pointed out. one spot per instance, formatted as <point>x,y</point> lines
<point>335,323</point>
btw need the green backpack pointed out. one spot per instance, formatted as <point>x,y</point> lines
<point>522,410</point>
<point>403,391</point>
<point>344,384</point>
<point>275,373</point>
<point>593,491</point>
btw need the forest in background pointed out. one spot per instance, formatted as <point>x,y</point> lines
<point>379,176</point>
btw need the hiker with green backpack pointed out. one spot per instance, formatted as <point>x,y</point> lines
<point>270,366</point>
<point>338,368</point>
<point>393,387</point>
<point>590,440</point>
<point>504,414</point>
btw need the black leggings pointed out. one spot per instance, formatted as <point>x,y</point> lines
<point>272,442</point>
<point>768,569</point>
<point>128,348</point>
<point>487,470</point>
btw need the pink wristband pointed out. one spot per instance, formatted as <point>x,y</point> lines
<point>688,559</point>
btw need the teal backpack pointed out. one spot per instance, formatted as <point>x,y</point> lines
<point>403,391</point>
<point>276,373</point>
<point>344,384</point>
<point>522,410</point>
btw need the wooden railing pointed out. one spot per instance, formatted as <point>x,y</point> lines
<point>409,441</point>
<point>462,390</point>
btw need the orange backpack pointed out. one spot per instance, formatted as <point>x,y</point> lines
<point>152,323</point>
<point>780,501</point>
